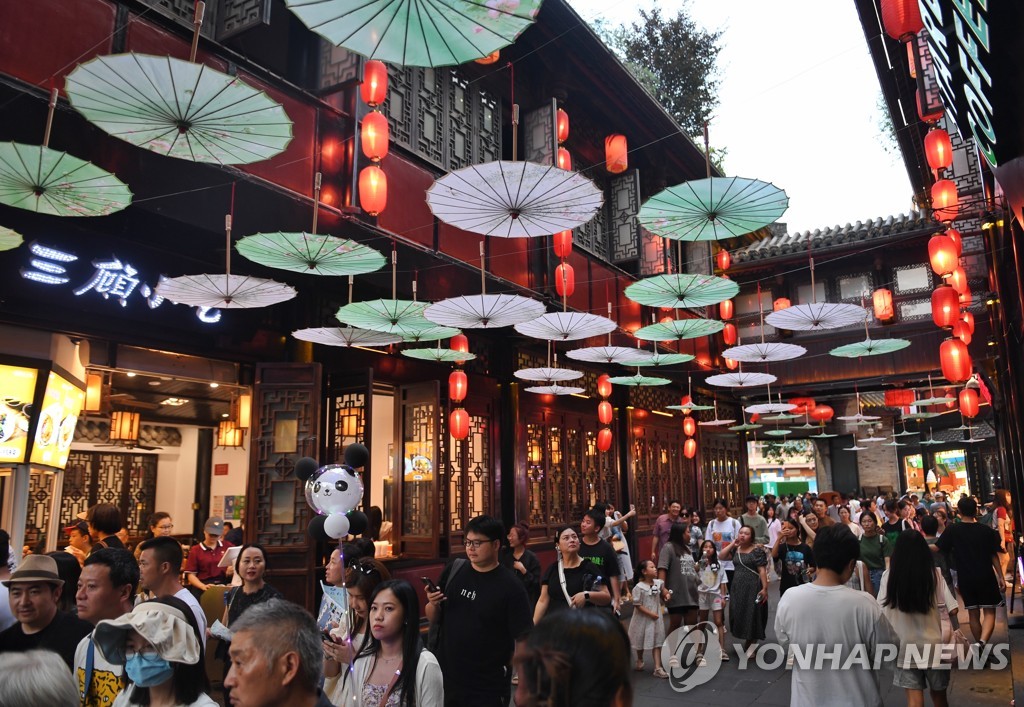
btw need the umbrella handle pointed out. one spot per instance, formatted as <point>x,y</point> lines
<point>49,116</point>
<point>515,131</point>
<point>316,199</point>
<point>197,23</point>
<point>483,271</point>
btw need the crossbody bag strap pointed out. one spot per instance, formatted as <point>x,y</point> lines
<point>391,686</point>
<point>561,580</point>
<point>90,658</point>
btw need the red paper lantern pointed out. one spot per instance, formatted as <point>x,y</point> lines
<point>604,412</point>
<point>723,259</point>
<point>969,402</point>
<point>491,58</point>
<point>899,398</point>
<point>374,88</point>
<point>938,149</point>
<point>966,298</point>
<point>565,280</point>
<point>755,417</point>
<point>822,413</point>
<point>945,306</point>
<point>954,235</point>
<point>901,18</point>
<point>690,448</point>
<point>563,243</point>
<point>955,360</point>
<point>562,123</point>
<point>725,309</point>
<point>934,116</point>
<point>780,304</point>
<point>458,386</point>
<point>458,423</point>
<point>731,365</point>
<point>803,405</point>
<point>968,319</point>
<point>459,342</point>
<point>687,400</point>
<point>958,280</point>
<point>689,426</point>
<point>616,154</point>
<point>962,332</point>
<point>604,385</point>
<point>374,136</point>
<point>942,254</point>
<point>604,439</point>
<point>882,301</point>
<point>729,334</point>
<point>945,201</point>
<point>373,190</point>
<point>564,159</point>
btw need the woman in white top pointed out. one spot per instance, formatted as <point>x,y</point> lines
<point>774,526</point>
<point>846,518</point>
<point>394,670</point>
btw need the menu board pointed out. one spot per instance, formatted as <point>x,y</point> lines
<point>17,390</point>
<point>58,414</point>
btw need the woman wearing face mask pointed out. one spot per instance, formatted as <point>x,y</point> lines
<point>158,645</point>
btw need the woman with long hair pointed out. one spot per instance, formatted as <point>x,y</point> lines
<point>711,593</point>
<point>809,523</point>
<point>573,582</point>
<point>158,645</point>
<point>846,518</point>
<point>911,595</point>
<point>748,593</point>
<point>521,560</point>
<point>1002,519</point>
<point>351,632</point>
<point>796,558</point>
<point>774,524</point>
<point>678,573</point>
<point>875,550</point>
<point>393,668</point>
<point>575,659</point>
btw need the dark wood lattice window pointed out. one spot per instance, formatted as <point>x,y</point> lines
<point>660,471</point>
<point>126,480</point>
<point>470,482</point>
<point>720,457</point>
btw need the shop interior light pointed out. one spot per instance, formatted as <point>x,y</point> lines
<point>229,434</point>
<point>124,426</point>
<point>93,392</point>
<point>242,411</point>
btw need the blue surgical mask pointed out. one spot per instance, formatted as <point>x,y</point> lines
<point>147,670</point>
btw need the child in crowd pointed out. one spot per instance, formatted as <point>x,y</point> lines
<point>646,629</point>
<point>711,592</point>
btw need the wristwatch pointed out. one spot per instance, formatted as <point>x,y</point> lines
<point>586,596</point>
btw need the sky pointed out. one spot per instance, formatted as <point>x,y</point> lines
<point>798,104</point>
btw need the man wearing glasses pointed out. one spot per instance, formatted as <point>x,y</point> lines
<point>482,609</point>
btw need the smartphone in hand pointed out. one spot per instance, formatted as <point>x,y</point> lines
<point>429,584</point>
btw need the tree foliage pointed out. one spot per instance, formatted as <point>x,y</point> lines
<point>785,452</point>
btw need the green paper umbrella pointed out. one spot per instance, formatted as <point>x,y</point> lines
<point>439,355</point>
<point>639,380</point>
<point>46,181</point>
<point>309,253</point>
<point>682,290</point>
<point>782,417</point>
<point>778,433</point>
<point>679,329</point>
<point>430,332</point>
<point>921,415</point>
<point>745,426</point>
<point>179,108</point>
<point>894,443</point>
<point>931,440</point>
<point>418,32</point>
<point>9,240</point>
<point>346,336</point>
<point>392,316</point>
<point>670,359</point>
<point>712,209</point>
<point>870,347</point>
<point>934,400</point>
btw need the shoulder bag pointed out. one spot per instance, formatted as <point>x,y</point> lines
<point>434,632</point>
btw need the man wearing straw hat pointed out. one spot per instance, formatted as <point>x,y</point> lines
<point>35,589</point>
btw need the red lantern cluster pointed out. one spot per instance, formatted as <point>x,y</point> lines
<point>803,406</point>
<point>938,149</point>
<point>945,306</point>
<point>374,137</point>
<point>690,448</point>
<point>458,388</point>
<point>689,426</point>
<point>562,126</point>
<point>604,413</point>
<point>899,398</point>
<point>564,159</point>
<point>945,200</point>
<point>822,413</point>
<point>729,334</point>
<point>942,254</point>
<point>725,309</point>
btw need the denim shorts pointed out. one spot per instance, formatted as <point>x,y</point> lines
<point>921,678</point>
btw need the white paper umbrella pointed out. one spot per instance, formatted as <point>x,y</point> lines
<point>624,355</point>
<point>921,416</point>
<point>858,418</point>
<point>679,329</point>
<point>871,439</point>
<point>639,380</point>
<point>905,433</point>
<point>548,374</point>
<point>566,326</point>
<point>346,336</point>
<point>824,435</point>
<point>555,389</point>
<point>484,311</point>
<point>740,379</point>
<point>816,317</point>
<point>894,443</point>
<point>764,352</point>
<point>310,253</point>
<point>715,422</point>
<point>665,359</point>
<point>766,408</point>
<point>854,448</point>
<point>934,400</point>
<point>682,290</point>
<point>179,108</point>
<point>224,291</point>
<point>514,199</point>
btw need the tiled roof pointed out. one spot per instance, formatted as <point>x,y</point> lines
<point>784,245</point>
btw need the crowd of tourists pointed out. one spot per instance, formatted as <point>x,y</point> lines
<point>98,624</point>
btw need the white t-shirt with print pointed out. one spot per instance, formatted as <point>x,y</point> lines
<point>722,533</point>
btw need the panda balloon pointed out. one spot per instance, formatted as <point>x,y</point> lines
<point>334,491</point>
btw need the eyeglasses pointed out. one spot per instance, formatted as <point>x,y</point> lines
<point>477,543</point>
<point>148,652</point>
<point>165,527</point>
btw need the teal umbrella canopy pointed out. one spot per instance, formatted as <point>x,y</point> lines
<point>682,290</point>
<point>9,239</point>
<point>870,347</point>
<point>392,316</point>
<point>667,359</point>
<point>418,32</point>
<point>310,253</point>
<point>712,209</point>
<point>679,329</point>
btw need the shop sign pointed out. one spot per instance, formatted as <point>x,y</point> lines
<point>62,403</point>
<point>18,384</point>
<point>112,279</point>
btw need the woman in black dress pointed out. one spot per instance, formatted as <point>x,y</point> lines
<point>250,566</point>
<point>522,561</point>
<point>572,582</point>
<point>748,593</point>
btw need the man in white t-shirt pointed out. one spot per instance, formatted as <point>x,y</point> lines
<point>160,564</point>
<point>844,626</point>
<point>722,530</point>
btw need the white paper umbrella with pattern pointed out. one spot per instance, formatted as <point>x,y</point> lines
<point>393,316</point>
<point>870,347</point>
<point>682,290</point>
<point>665,359</point>
<point>555,389</point>
<point>566,326</point>
<point>639,380</point>
<point>179,108</point>
<point>514,199</point>
<point>224,291</point>
<point>712,209</point>
<point>624,355</point>
<point>768,408</point>
<point>418,32</point>
<point>36,178</point>
<point>764,353</point>
<point>484,311</point>
<point>740,379</point>
<point>9,240</point>
<point>309,253</point>
<point>679,329</point>
<point>346,336</point>
<point>549,374</point>
<point>816,317</point>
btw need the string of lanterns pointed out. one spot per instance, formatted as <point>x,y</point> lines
<point>458,388</point>
<point>604,413</point>
<point>374,137</point>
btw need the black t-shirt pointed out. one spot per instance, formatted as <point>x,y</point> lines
<point>577,579</point>
<point>603,557</point>
<point>61,636</point>
<point>972,546</point>
<point>892,530</point>
<point>484,614</point>
<point>795,560</point>
<point>109,541</point>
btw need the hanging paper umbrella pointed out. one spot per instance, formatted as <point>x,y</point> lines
<point>872,438</point>
<point>9,240</point>
<point>894,443</point>
<point>439,355</point>
<point>179,108</point>
<point>421,32</point>
<point>664,359</point>
<point>715,422</point>
<point>682,290</point>
<point>854,448</point>
<point>555,389</point>
<point>933,400</point>
<point>859,416</point>
<point>778,433</point>
<point>816,317</point>
<point>624,355</point>
<point>931,440</point>
<point>905,433</point>
<point>566,326</point>
<point>346,336</point>
<point>765,408</point>
<point>688,404</point>
<point>783,417</point>
<point>824,435</point>
<point>764,352</point>
<point>870,347</point>
<point>740,379</point>
<point>712,209</point>
<point>393,316</point>
<point>430,332</point>
<point>639,380</point>
<point>548,374</point>
<point>309,253</point>
<point>745,426</point>
<point>514,199</point>
<point>679,329</point>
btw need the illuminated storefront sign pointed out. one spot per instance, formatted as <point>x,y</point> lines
<point>17,390</point>
<point>112,279</point>
<point>58,415</point>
